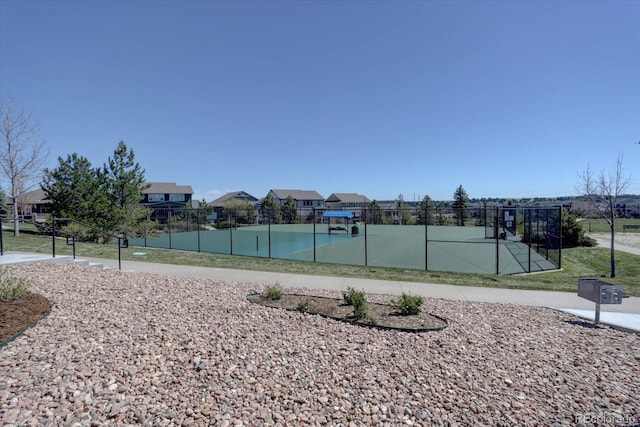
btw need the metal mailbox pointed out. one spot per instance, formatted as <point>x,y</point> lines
<point>600,292</point>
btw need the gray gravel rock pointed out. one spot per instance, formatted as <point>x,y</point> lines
<point>124,348</point>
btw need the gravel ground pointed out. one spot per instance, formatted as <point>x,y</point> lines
<point>124,348</point>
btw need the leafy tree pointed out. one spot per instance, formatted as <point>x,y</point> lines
<point>22,154</point>
<point>426,212</point>
<point>602,193</point>
<point>241,210</point>
<point>201,214</point>
<point>403,211</point>
<point>270,210</point>
<point>374,213</point>
<point>459,205</point>
<point>289,211</point>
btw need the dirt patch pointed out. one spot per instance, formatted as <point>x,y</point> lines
<point>383,315</point>
<point>17,315</point>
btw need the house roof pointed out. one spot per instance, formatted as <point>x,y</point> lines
<point>240,195</point>
<point>33,197</point>
<point>297,194</point>
<point>347,198</point>
<point>167,188</point>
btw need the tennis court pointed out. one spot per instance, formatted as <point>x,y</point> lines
<point>437,248</point>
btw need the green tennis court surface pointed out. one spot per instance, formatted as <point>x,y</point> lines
<point>437,248</point>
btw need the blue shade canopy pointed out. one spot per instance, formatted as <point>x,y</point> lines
<point>338,214</point>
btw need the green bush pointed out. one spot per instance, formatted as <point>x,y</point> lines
<point>12,287</point>
<point>350,294</point>
<point>273,292</point>
<point>407,304</point>
<point>303,307</point>
<point>358,300</point>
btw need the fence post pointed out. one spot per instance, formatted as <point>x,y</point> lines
<point>497,228</point>
<point>269,234</point>
<point>198,226</point>
<point>560,237</point>
<point>53,237</point>
<point>546,234</point>
<point>366,255</point>
<point>169,223</point>
<point>528,220</point>
<point>426,238</point>
<point>1,238</point>
<point>314,234</point>
<point>230,233</point>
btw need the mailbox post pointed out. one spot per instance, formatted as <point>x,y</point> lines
<point>600,292</point>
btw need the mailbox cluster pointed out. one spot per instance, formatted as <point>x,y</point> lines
<point>600,292</point>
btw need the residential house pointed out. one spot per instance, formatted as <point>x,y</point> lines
<point>628,207</point>
<point>306,200</point>
<point>34,205</point>
<point>165,198</point>
<point>353,202</point>
<point>219,203</point>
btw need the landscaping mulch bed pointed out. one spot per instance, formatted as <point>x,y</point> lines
<point>383,315</point>
<point>17,315</point>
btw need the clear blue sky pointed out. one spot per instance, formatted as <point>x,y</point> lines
<point>507,99</point>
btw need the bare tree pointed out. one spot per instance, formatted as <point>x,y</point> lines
<point>22,154</point>
<point>602,193</point>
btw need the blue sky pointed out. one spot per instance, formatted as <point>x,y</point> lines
<point>507,99</point>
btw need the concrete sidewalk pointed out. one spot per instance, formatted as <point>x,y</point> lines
<point>625,315</point>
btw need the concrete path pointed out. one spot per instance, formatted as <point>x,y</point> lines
<point>632,247</point>
<point>625,315</point>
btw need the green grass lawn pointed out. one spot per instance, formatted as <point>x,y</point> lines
<point>602,226</point>
<point>576,262</point>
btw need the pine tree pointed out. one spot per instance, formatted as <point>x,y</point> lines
<point>289,211</point>
<point>4,208</point>
<point>459,205</point>
<point>374,214</point>
<point>124,181</point>
<point>76,192</point>
<point>426,212</point>
<point>270,210</point>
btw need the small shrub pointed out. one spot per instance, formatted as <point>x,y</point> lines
<point>274,292</point>
<point>350,294</point>
<point>12,287</point>
<point>358,300</point>
<point>360,308</point>
<point>407,305</point>
<point>303,307</point>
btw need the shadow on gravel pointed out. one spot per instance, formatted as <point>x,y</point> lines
<point>584,324</point>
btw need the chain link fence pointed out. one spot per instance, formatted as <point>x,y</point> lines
<point>501,240</point>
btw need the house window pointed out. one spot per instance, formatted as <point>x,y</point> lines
<point>156,197</point>
<point>308,203</point>
<point>176,197</point>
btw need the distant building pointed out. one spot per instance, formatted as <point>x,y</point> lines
<point>347,201</point>
<point>219,203</point>
<point>165,198</point>
<point>34,205</point>
<point>304,199</point>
